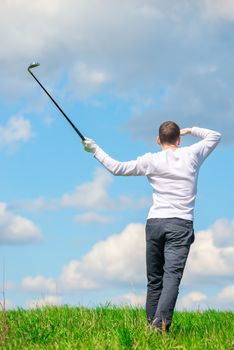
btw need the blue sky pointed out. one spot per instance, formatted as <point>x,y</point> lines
<point>70,232</point>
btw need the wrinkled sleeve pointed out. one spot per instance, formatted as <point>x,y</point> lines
<point>139,167</point>
<point>203,148</point>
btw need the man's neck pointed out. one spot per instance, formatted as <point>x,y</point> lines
<point>169,146</point>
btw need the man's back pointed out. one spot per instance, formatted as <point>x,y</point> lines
<point>174,176</point>
<point>174,183</point>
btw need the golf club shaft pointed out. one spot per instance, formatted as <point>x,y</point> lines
<point>69,121</point>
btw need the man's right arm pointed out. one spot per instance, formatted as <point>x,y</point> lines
<point>203,148</point>
<point>139,167</point>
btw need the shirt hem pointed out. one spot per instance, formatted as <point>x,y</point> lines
<point>180,216</point>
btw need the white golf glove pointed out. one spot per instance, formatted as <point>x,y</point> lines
<point>89,145</point>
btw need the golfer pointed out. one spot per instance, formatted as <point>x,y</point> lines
<point>173,174</point>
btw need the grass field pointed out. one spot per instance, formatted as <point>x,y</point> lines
<point>112,328</point>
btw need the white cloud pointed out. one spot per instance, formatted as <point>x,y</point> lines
<point>87,80</point>
<point>226,296</point>
<point>91,194</point>
<point>120,259</point>
<point>49,300</point>
<point>195,300</point>
<point>15,229</point>
<point>39,284</point>
<point>37,204</point>
<point>209,261</point>
<point>124,54</point>
<point>91,217</point>
<point>223,233</point>
<point>147,11</point>
<point>17,129</point>
<point>216,9</point>
<point>73,277</point>
<point>131,299</point>
<point>192,301</point>
<point>133,203</point>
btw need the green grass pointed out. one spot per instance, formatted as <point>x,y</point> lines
<point>113,328</point>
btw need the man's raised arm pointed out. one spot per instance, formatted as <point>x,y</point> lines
<point>203,148</point>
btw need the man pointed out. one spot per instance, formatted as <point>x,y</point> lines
<point>172,173</point>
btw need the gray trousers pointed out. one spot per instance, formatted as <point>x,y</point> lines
<point>167,246</point>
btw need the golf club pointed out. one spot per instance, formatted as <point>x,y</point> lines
<point>36,64</point>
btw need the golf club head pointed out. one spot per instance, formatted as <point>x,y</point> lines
<point>33,65</point>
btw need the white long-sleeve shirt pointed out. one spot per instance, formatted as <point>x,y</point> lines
<point>171,173</point>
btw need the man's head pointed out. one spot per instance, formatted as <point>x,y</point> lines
<point>169,134</point>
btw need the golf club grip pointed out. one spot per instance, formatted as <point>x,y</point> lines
<point>69,121</point>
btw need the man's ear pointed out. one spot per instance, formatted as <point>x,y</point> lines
<point>178,141</point>
<point>158,141</point>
